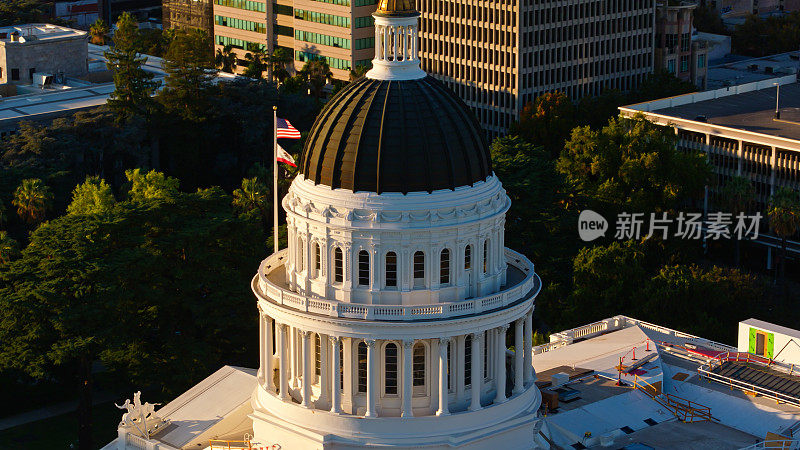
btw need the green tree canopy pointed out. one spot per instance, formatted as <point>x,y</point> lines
<point>151,185</point>
<point>225,59</point>
<point>98,32</point>
<point>190,67</point>
<point>546,122</point>
<point>317,74</point>
<point>158,290</point>
<point>94,196</point>
<point>632,163</point>
<point>16,12</point>
<point>9,248</point>
<point>253,196</point>
<point>783,212</point>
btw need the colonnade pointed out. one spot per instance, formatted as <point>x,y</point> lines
<point>392,378</point>
<point>396,42</point>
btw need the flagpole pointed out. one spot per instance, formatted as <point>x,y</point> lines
<point>275,176</point>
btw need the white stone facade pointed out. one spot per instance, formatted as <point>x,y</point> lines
<point>342,341</point>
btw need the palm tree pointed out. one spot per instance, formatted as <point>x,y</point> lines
<point>256,65</point>
<point>358,72</point>
<point>226,59</point>
<point>8,248</point>
<point>784,216</point>
<point>98,32</point>
<point>253,195</point>
<point>33,199</point>
<point>738,196</point>
<point>279,59</point>
<point>317,74</point>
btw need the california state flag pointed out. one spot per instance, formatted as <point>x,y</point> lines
<point>284,157</point>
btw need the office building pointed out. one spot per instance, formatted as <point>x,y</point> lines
<point>677,49</point>
<point>185,14</point>
<point>341,31</point>
<point>500,55</point>
<point>39,48</point>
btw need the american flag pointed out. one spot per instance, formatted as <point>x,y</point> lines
<point>285,130</point>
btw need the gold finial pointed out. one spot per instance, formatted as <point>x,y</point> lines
<point>395,8</point>
<point>275,108</point>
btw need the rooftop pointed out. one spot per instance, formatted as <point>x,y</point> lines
<point>734,70</point>
<point>38,32</point>
<point>748,109</point>
<point>601,413</point>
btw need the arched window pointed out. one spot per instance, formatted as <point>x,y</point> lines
<point>363,268</point>
<point>317,356</point>
<point>390,362</point>
<point>300,254</point>
<point>317,258</point>
<point>338,265</point>
<point>485,255</point>
<point>419,269</point>
<point>362,367</point>
<point>391,269</point>
<point>419,365</point>
<point>444,267</point>
<point>467,257</point>
<point>468,361</point>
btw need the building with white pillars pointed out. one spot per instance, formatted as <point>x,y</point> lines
<point>386,321</point>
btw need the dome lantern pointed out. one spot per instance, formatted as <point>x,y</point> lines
<point>396,36</point>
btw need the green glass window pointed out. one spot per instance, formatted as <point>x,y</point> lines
<point>327,19</point>
<point>365,43</point>
<point>334,63</point>
<point>243,4</point>
<point>238,43</point>
<point>322,39</point>
<point>365,2</point>
<point>361,22</point>
<point>240,24</point>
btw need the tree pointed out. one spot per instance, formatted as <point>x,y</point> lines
<point>358,72</point>
<point>3,214</point>
<point>98,32</point>
<point>16,12</point>
<point>546,122</point>
<point>190,68</point>
<point>279,59</point>
<point>94,196</point>
<point>9,249</point>
<point>634,164</point>
<point>737,197</point>
<point>317,74</point>
<point>155,289</point>
<point>225,59</point>
<point>708,20</point>
<point>253,196</point>
<point>133,86</point>
<point>783,212</point>
<point>150,186</point>
<point>33,200</point>
<point>660,84</point>
<point>257,63</point>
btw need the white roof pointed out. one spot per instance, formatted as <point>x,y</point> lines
<point>206,404</point>
<point>766,326</point>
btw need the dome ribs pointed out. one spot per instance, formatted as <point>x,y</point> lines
<point>378,168</point>
<point>396,136</point>
<point>350,144</point>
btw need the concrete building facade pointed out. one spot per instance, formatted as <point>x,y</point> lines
<point>188,14</point>
<point>677,49</point>
<point>41,48</point>
<point>498,56</point>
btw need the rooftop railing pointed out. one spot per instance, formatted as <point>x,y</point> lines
<point>334,308</point>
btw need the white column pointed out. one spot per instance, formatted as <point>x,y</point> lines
<point>477,371</point>
<point>528,355</point>
<point>293,352</point>
<point>459,365</point>
<point>284,362</point>
<point>395,48</point>
<point>500,372</point>
<point>262,351</point>
<point>408,385</point>
<point>443,397</point>
<point>307,372</point>
<point>336,398</point>
<point>378,50</point>
<point>519,369</point>
<point>324,371</point>
<point>372,389</point>
<point>386,53</point>
<point>269,371</point>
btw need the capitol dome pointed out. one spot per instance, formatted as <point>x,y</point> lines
<point>396,136</point>
<point>385,321</point>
